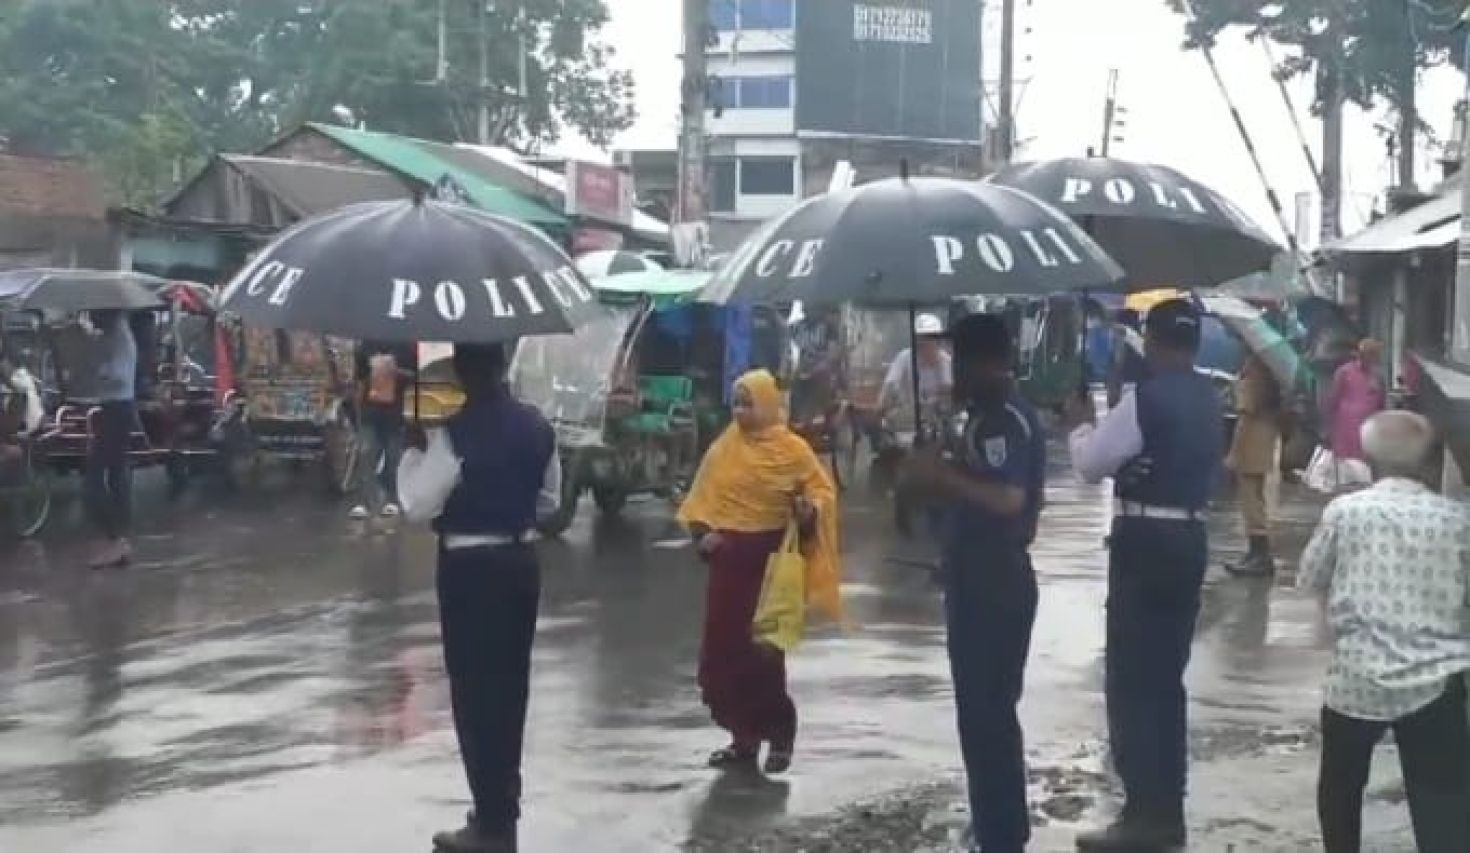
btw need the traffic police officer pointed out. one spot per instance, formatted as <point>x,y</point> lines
<point>486,479</point>
<point>1162,445</point>
<point>990,489</point>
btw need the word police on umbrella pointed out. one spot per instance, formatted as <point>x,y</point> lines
<point>273,281</point>
<point>998,252</point>
<point>1124,192</point>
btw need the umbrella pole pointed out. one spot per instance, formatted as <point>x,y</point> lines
<point>914,371</point>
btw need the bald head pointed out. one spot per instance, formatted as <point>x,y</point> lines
<point>1397,443</point>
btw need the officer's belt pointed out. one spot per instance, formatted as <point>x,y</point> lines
<point>1135,509</point>
<point>464,541</point>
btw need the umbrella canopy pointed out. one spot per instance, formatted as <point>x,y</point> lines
<point>1261,338</point>
<point>1158,223</point>
<point>69,291</point>
<point>614,262</point>
<point>664,287</point>
<point>912,241</point>
<point>413,270</point>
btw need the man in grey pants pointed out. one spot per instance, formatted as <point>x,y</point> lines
<point>107,482</point>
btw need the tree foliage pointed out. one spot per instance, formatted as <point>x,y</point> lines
<point>145,88</point>
<point>1368,41</point>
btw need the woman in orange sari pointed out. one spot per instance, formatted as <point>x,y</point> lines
<point>756,479</point>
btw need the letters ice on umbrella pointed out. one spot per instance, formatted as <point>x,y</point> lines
<point>413,271</point>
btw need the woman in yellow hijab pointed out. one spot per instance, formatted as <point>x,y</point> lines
<point>757,478</point>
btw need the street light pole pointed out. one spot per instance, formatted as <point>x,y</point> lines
<point>691,195</point>
<point>1007,117</point>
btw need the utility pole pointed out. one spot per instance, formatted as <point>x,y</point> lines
<point>1331,87</point>
<point>483,127</point>
<point>441,68</point>
<point>1408,104</point>
<point>1007,118</point>
<point>695,90</point>
<point>1110,112</point>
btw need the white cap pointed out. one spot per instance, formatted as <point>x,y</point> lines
<point>928,325</point>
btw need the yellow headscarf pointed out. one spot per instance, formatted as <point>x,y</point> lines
<point>747,480</point>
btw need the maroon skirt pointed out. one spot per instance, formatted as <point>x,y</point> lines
<point>744,684</point>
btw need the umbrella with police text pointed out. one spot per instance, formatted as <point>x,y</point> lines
<point>1159,224</point>
<point>912,241</point>
<point>413,270</point>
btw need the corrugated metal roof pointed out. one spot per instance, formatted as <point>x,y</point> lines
<point>1432,224</point>
<point>421,161</point>
<point>310,188</point>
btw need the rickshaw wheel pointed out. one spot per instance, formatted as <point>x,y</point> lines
<point>571,495</point>
<point>30,503</point>
<point>343,453</point>
<point>610,500</point>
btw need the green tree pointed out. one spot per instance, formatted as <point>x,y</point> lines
<point>155,85</point>
<point>1369,41</point>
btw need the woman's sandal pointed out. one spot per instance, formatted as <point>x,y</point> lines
<point>732,756</point>
<point>778,761</point>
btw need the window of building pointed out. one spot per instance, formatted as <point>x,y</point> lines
<point>722,185</point>
<point>730,15</point>
<point>766,14</point>
<point>724,15</point>
<point>765,93</point>
<point>768,176</point>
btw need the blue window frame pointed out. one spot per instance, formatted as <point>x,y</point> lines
<point>724,15</point>
<point>766,14</point>
<point>729,15</point>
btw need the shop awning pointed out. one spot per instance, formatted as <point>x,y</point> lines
<point>1432,225</point>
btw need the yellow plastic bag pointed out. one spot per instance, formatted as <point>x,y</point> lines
<point>780,614</point>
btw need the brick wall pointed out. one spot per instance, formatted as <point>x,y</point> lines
<point>61,189</point>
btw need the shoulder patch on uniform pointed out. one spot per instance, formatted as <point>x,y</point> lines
<point>995,451</point>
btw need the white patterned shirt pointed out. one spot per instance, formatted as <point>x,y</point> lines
<point>1393,565</point>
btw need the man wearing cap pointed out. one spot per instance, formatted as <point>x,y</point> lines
<point>988,483</point>
<point>936,372</point>
<point>1162,446</point>
<point>485,480</point>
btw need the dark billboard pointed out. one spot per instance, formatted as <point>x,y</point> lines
<point>890,68</point>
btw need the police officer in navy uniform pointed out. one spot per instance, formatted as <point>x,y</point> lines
<point>1162,446</point>
<point>989,483</point>
<point>485,479</point>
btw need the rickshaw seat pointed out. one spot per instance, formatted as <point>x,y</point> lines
<point>667,403</point>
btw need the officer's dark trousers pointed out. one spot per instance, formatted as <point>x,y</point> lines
<point>487,613</point>
<point>1155,569</point>
<point>990,607</point>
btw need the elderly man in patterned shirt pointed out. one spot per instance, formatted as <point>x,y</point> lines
<point>1392,565</point>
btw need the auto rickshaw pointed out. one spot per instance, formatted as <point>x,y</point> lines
<point>176,398</point>
<point>637,395</point>
<point>25,481</point>
<point>294,400</point>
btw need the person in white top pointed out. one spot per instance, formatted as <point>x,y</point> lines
<point>1392,566</point>
<point>936,372</point>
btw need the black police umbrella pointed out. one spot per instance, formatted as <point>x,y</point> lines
<point>413,270</point>
<point>72,290</point>
<point>1165,228</point>
<point>906,242</point>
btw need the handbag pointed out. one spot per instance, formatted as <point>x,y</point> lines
<point>780,613</point>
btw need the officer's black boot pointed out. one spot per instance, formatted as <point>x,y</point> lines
<point>1257,561</point>
<point>1138,830</point>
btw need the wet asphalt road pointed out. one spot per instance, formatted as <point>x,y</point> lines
<point>266,677</point>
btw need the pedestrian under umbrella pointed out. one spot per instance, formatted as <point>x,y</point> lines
<point>1158,223</point>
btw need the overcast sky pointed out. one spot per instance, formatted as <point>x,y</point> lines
<point>1176,115</point>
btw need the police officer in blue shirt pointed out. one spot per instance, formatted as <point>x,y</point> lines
<point>486,479</point>
<point>1162,446</point>
<point>989,482</point>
